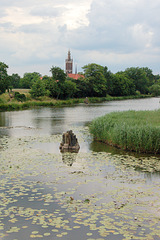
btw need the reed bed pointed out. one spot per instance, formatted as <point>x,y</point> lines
<point>137,131</point>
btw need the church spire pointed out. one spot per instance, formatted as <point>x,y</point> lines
<point>69,63</point>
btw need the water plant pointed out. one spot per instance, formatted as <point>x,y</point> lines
<point>137,131</point>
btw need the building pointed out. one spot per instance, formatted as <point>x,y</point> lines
<point>75,75</point>
<point>69,63</point>
<point>69,68</point>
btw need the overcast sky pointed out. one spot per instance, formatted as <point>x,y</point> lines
<point>36,34</point>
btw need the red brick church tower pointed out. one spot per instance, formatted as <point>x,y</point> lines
<point>69,63</point>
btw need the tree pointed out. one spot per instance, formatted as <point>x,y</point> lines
<point>95,80</point>
<point>122,85</point>
<point>38,88</point>
<point>109,77</point>
<point>55,85</point>
<point>28,79</point>
<point>155,89</point>
<point>15,80</point>
<point>4,79</point>
<point>139,77</point>
<point>58,74</point>
<point>69,89</point>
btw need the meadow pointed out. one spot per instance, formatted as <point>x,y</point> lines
<point>137,131</point>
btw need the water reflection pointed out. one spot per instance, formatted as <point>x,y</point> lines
<point>69,158</point>
<point>49,121</point>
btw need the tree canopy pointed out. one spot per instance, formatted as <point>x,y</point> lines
<point>98,81</point>
<point>4,79</point>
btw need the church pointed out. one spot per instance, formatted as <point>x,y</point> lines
<point>69,68</point>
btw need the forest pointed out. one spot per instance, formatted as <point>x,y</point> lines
<point>97,81</point>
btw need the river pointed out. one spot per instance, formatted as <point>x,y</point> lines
<point>98,193</point>
<point>43,121</point>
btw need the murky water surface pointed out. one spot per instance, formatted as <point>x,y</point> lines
<point>98,193</point>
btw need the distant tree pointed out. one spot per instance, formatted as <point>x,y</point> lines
<point>70,89</point>
<point>15,80</point>
<point>55,84</point>
<point>139,77</point>
<point>122,85</point>
<point>149,75</point>
<point>4,79</point>
<point>58,74</point>
<point>82,88</point>
<point>155,89</point>
<point>95,80</point>
<point>109,77</point>
<point>157,78</point>
<point>38,88</point>
<point>28,79</point>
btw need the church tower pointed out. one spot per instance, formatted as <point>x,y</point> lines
<point>69,63</point>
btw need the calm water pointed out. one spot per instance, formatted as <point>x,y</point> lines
<point>92,195</point>
<point>48,121</point>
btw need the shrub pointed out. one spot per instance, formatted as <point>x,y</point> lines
<point>20,97</point>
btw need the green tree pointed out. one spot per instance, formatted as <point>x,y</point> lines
<point>28,79</point>
<point>122,85</point>
<point>82,88</point>
<point>58,74</point>
<point>15,80</point>
<point>55,84</point>
<point>149,75</point>
<point>52,86</point>
<point>95,80</point>
<point>38,88</point>
<point>109,78</point>
<point>155,89</point>
<point>4,79</point>
<point>70,89</point>
<point>139,77</point>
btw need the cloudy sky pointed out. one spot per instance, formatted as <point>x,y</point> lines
<point>36,34</point>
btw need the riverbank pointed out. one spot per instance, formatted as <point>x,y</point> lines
<point>137,131</point>
<point>8,103</point>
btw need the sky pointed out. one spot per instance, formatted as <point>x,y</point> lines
<point>37,34</point>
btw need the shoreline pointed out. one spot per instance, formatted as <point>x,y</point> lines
<point>15,105</point>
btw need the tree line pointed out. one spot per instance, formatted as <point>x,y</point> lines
<point>98,81</point>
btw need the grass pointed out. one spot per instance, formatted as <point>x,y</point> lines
<point>137,131</point>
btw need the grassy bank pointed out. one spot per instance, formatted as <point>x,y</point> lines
<point>137,131</point>
<point>8,103</point>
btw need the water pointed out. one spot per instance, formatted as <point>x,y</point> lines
<point>98,193</point>
<point>43,121</point>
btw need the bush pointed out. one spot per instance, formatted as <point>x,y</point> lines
<point>20,97</point>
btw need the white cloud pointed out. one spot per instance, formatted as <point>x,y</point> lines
<point>115,33</point>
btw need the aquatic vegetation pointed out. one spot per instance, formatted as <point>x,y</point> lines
<point>101,196</point>
<point>137,131</point>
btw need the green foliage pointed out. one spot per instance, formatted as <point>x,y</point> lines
<point>135,131</point>
<point>139,77</point>
<point>155,89</point>
<point>28,79</point>
<point>38,88</point>
<point>20,97</point>
<point>15,80</point>
<point>58,74</point>
<point>70,88</point>
<point>95,80</point>
<point>4,79</point>
<point>122,85</point>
